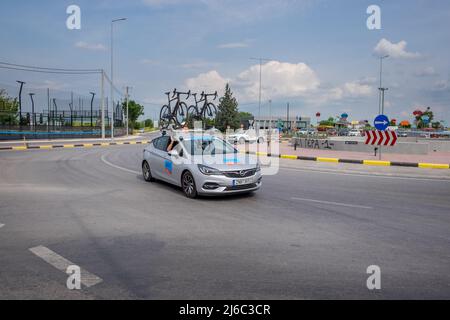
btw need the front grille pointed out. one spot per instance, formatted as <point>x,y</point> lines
<point>242,187</point>
<point>240,173</point>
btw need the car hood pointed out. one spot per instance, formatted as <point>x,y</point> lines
<point>228,162</point>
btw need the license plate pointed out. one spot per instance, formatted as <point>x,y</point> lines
<point>241,182</point>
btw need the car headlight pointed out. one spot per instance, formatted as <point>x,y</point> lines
<point>209,171</point>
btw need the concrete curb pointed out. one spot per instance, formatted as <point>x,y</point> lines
<point>282,156</point>
<point>352,161</point>
<point>70,146</point>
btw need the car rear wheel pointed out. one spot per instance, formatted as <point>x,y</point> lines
<point>242,141</point>
<point>188,185</point>
<point>146,172</point>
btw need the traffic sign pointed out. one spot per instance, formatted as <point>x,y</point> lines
<point>381,122</point>
<point>381,138</point>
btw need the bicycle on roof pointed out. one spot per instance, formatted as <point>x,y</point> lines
<point>207,112</point>
<point>177,114</point>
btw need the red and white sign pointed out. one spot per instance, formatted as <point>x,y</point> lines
<point>381,138</point>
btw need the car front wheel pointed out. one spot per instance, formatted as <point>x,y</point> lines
<point>146,172</point>
<point>188,185</point>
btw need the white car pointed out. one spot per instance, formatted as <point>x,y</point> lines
<point>354,133</point>
<point>245,136</point>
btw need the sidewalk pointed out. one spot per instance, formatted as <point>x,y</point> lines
<point>5,143</point>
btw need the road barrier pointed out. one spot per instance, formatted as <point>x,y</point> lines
<point>70,146</point>
<point>353,161</point>
<point>283,156</point>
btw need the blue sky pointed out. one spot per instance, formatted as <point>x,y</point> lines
<point>323,56</point>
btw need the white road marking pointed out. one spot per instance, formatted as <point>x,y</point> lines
<point>118,167</point>
<point>88,279</point>
<point>361,174</point>
<point>1,225</point>
<point>332,203</point>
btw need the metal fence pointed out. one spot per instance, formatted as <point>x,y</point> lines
<point>49,114</point>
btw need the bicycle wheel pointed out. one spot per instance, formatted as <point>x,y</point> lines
<point>164,117</point>
<point>181,113</point>
<point>192,113</point>
<point>209,112</point>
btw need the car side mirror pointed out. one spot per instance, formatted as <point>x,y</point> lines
<point>174,153</point>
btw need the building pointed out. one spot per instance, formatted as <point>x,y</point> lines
<point>266,122</point>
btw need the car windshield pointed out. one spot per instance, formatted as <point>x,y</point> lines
<point>207,146</point>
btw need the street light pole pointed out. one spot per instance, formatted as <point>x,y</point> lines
<point>112,73</point>
<point>270,113</point>
<point>380,111</point>
<point>32,110</point>
<point>20,101</point>
<point>92,103</point>
<point>127,97</point>
<point>260,83</point>
<point>381,96</point>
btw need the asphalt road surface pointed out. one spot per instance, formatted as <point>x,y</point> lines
<point>309,233</point>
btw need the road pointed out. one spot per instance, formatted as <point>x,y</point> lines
<point>309,233</point>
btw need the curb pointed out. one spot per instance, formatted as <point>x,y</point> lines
<point>352,161</point>
<point>71,146</point>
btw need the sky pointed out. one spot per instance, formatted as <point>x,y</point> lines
<point>320,55</point>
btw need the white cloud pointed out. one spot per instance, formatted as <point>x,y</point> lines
<point>395,50</point>
<point>233,45</point>
<point>280,79</point>
<point>426,72</point>
<point>90,46</point>
<point>208,82</point>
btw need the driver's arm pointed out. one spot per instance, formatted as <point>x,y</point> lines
<point>170,146</point>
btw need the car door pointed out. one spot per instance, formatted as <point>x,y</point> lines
<point>158,157</point>
<point>176,165</point>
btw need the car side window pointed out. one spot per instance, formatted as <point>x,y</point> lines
<point>162,143</point>
<point>155,142</point>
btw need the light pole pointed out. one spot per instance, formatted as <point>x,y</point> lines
<point>270,114</point>
<point>112,73</point>
<point>260,82</point>
<point>32,109</point>
<point>92,103</point>
<point>20,101</point>
<point>380,100</point>
<point>128,99</point>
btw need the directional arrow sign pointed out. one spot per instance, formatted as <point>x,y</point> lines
<point>381,138</point>
<point>381,122</point>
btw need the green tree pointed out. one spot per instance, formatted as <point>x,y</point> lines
<point>227,111</point>
<point>8,109</point>
<point>135,110</point>
<point>148,123</point>
<point>329,122</point>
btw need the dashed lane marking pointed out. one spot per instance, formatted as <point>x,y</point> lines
<point>88,279</point>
